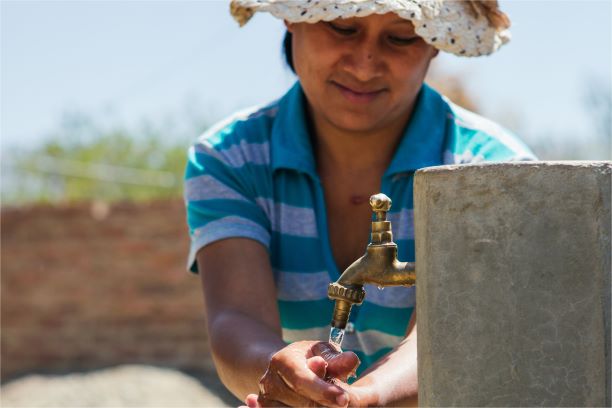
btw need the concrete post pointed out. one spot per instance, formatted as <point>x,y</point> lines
<point>513,284</point>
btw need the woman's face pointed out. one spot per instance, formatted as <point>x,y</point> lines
<point>360,74</point>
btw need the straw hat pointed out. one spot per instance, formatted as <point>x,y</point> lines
<point>462,27</point>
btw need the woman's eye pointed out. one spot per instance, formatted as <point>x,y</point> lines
<point>342,30</point>
<point>402,40</point>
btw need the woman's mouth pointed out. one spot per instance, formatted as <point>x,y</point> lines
<point>358,95</point>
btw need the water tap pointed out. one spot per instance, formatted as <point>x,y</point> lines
<point>379,266</point>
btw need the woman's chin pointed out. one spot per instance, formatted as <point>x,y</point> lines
<point>358,123</point>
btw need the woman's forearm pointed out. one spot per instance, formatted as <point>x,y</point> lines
<point>393,380</point>
<point>241,311</point>
<point>241,348</point>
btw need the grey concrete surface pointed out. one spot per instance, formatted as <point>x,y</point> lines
<point>513,284</point>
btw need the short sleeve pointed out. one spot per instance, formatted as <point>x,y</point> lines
<point>220,198</point>
<point>474,139</point>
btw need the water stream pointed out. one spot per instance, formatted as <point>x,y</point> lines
<point>336,336</point>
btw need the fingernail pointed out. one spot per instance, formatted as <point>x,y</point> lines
<point>342,400</point>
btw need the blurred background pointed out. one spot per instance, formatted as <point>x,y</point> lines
<point>99,102</point>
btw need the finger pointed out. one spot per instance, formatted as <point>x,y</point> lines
<point>340,364</point>
<point>306,384</point>
<point>356,395</point>
<point>277,389</point>
<point>325,350</point>
<point>318,366</point>
<point>251,401</point>
<point>266,402</point>
<point>343,365</point>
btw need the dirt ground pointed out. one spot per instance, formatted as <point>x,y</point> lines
<point>120,386</point>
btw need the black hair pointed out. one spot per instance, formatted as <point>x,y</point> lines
<point>288,50</point>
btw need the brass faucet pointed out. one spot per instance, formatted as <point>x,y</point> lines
<point>379,266</point>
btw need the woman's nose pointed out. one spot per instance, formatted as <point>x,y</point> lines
<point>364,62</point>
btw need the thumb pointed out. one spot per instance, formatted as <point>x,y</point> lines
<point>339,364</point>
<point>318,365</point>
<point>343,365</point>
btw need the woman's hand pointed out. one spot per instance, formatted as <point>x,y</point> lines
<point>306,373</point>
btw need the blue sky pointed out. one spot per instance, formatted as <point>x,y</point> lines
<point>134,60</point>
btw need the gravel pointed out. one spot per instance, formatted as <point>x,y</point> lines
<point>121,386</point>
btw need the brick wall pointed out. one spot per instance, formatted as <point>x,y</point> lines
<point>92,285</point>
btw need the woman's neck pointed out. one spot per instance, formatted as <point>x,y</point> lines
<point>350,152</point>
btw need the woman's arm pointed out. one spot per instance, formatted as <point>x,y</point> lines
<point>241,312</point>
<point>245,331</point>
<point>392,380</point>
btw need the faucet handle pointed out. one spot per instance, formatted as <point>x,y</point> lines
<point>380,204</point>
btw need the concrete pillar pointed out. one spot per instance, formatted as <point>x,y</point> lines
<point>513,284</point>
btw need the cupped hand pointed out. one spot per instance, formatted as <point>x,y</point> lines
<point>305,374</point>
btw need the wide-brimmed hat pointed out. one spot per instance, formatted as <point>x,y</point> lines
<point>462,27</point>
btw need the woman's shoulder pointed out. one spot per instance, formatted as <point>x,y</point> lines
<point>241,138</point>
<point>474,138</point>
<point>251,125</point>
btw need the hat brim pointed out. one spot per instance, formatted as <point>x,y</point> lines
<point>464,28</point>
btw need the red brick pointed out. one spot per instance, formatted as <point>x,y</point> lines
<point>81,293</point>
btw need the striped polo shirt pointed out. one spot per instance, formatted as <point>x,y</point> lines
<point>254,176</point>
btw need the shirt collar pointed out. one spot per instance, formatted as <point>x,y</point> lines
<point>291,145</point>
<point>421,144</point>
<point>423,141</point>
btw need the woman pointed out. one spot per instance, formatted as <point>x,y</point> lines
<point>277,198</point>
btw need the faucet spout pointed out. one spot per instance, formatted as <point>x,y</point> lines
<point>378,266</point>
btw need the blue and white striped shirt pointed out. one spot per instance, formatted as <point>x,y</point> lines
<point>254,176</point>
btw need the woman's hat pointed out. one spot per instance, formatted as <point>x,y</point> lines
<point>462,27</point>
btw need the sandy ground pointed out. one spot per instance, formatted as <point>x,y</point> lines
<point>121,386</point>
